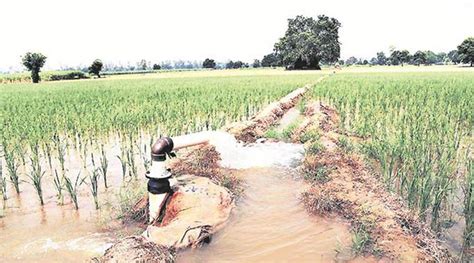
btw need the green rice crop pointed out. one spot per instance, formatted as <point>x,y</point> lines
<point>416,126</point>
<point>83,117</point>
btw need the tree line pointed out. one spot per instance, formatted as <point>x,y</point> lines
<point>463,54</point>
<point>308,42</point>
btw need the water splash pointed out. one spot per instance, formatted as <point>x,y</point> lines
<point>236,155</point>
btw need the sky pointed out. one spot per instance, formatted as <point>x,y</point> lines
<point>73,33</point>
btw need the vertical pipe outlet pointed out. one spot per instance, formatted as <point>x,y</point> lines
<point>158,177</point>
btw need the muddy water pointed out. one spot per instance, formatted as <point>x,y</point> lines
<point>270,225</point>
<point>60,233</point>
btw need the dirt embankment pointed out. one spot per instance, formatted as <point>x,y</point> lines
<point>201,204</point>
<point>250,131</point>
<point>343,185</point>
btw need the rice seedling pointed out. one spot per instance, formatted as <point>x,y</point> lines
<point>58,185</point>
<point>61,151</point>
<point>145,154</point>
<point>73,187</point>
<point>36,173</point>
<point>12,167</point>
<point>468,235</point>
<point>104,164</point>
<point>132,167</point>
<point>413,124</point>
<point>3,182</point>
<point>94,182</point>
<point>123,164</point>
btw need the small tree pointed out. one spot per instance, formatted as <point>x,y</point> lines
<point>466,51</point>
<point>419,58</point>
<point>256,63</point>
<point>34,62</point>
<point>229,65</point>
<point>381,58</point>
<point>96,67</point>
<point>373,61</point>
<point>142,65</point>
<point>239,64</point>
<point>404,57</point>
<point>351,61</point>
<point>431,57</point>
<point>209,63</point>
<point>453,56</point>
<point>156,67</point>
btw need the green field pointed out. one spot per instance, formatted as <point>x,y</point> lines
<point>174,105</point>
<point>415,122</point>
<point>419,129</point>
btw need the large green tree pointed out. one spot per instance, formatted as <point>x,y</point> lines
<point>466,50</point>
<point>34,62</point>
<point>308,42</point>
<point>96,67</point>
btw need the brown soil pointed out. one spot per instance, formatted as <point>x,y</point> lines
<point>199,207</point>
<point>353,191</point>
<point>255,128</point>
<point>137,249</point>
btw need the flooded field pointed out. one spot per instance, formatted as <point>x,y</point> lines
<point>269,220</point>
<point>58,232</point>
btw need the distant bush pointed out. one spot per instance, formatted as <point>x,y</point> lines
<point>45,76</point>
<point>68,75</point>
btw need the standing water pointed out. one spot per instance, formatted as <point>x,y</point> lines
<point>270,224</point>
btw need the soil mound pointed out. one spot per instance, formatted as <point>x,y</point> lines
<point>196,210</point>
<point>255,128</point>
<point>137,249</point>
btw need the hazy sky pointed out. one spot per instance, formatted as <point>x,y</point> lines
<point>76,32</point>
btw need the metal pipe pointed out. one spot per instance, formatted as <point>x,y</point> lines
<point>159,187</point>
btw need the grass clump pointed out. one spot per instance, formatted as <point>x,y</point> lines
<point>272,133</point>
<point>288,131</point>
<point>345,144</point>
<point>131,204</point>
<point>319,174</point>
<point>361,240</point>
<point>310,134</point>
<point>314,148</point>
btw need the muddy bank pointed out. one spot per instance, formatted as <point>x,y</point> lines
<point>343,185</point>
<point>255,128</point>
